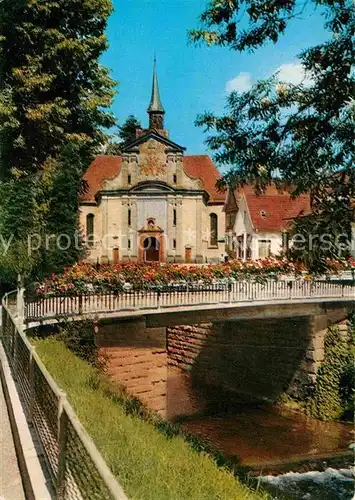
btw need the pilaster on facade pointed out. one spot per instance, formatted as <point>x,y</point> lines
<point>171,168</point>
<point>133,228</point>
<point>104,257</point>
<point>170,235</point>
<point>179,229</point>
<point>125,168</point>
<point>135,168</point>
<point>199,257</point>
<point>179,168</point>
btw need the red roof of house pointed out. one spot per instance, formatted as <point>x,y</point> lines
<point>101,169</point>
<point>275,212</point>
<point>270,190</point>
<point>203,168</point>
<point>107,167</point>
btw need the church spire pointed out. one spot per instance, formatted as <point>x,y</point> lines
<point>155,110</point>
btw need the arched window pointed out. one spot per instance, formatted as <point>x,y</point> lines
<point>129,217</point>
<point>174,217</point>
<point>285,241</point>
<point>213,230</point>
<point>90,218</point>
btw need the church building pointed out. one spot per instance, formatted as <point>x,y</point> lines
<point>153,203</point>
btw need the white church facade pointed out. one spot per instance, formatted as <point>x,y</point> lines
<point>153,203</point>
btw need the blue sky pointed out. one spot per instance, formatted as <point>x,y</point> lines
<point>192,79</point>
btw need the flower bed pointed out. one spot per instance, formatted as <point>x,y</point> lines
<point>85,278</point>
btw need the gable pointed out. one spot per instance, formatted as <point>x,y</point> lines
<point>231,205</point>
<point>243,222</point>
<point>152,135</point>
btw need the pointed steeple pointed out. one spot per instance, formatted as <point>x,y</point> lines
<point>155,110</point>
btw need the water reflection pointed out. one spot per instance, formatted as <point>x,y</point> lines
<point>256,435</point>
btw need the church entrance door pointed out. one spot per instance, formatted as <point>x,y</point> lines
<point>151,249</point>
<point>187,255</point>
<point>116,255</point>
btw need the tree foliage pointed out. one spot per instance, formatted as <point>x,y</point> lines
<point>62,244</point>
<point>54,100</point>
<point>221,23</point>
<point>127,131</point>
<point>18,219</point>
<point>126,134</point>
<point>53,90</point>
<point>300,134</point>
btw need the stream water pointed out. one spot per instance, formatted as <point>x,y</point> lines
<point>281,446</point>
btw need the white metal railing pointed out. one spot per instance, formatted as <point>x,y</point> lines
<point>191,294</point>
<point>76,467</point>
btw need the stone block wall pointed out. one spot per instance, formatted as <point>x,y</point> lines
<point>137,359</point>
<point>256,359</point>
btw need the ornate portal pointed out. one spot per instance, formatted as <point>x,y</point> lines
<point>151,246</point>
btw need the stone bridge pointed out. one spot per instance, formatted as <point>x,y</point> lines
<point>251,341</point>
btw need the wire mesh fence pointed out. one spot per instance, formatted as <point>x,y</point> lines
<point>81,479</point>
<point>76,468</point>
<point>44,417</point>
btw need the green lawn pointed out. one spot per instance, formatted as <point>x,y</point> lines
<point>148,465</point>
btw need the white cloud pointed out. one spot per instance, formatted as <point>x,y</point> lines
<point>241,82</point>
<point>293,73</point>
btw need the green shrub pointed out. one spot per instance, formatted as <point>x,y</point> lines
<point>333,395</point>
<point>79,337</point>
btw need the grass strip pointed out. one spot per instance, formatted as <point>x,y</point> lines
<point>149,464</point>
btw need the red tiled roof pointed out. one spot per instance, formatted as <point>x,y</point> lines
<point>202,167</point>
<point>270,190</point>
<point>275,212</point>
<point>101,169</point>
<point>106,167</point>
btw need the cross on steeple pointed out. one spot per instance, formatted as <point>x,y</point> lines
<point>155,110</point>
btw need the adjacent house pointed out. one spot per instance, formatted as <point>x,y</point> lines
<point>257,226</point>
